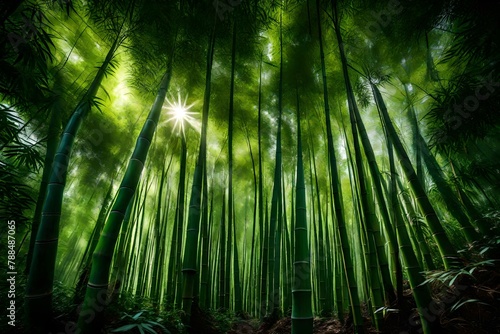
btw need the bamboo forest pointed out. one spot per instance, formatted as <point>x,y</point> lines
<point>246,166</point>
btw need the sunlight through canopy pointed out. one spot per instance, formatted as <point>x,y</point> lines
<point>180,113</point>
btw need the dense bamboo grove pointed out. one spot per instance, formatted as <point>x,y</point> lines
<point>259,158</point>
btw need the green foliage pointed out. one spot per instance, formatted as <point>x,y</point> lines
<point>223,320</point>
<point>141,322</point>
<point>474,259</point>
<point>449,277</point>
<point>63,299</point>
<point>173,320</point>
<point>425,58</point>
<point>464,301</point>
<point>16,196</point>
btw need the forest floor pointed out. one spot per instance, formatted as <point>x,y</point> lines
<point>466,301</point>
<point>284,326</point>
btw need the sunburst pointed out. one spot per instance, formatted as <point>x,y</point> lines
<point>180,113</point>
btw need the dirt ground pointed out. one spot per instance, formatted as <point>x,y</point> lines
<point>283,326</point>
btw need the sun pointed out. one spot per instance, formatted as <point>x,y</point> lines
<point>180,113</point>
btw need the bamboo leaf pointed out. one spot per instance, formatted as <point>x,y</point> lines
<point>125,328</point>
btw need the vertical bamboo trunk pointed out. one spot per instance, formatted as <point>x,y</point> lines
<point>276,201</point>
<point>205,269</point>
<point>189,266</point>
<point>312,228</point>
<point>287,261</point>
<point>238,303</point>
<point>229,273</point>
<point>159,269</point>
<point>222,256</point>
<point>323,307</point>
<point>212,271</point>
<point>162,264</point>
<point>336,195</point>
<point>262,228</point>
<point>329,266</point>
<point>302,316</point>
<point>173,278</point>
<point>253,285</point>
<point>181,200</point>
<point>231,223</point>
<point>156,236</point>
<point>265,266</point>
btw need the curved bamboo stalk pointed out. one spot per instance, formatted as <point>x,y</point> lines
<point>39,289</point>
<point>91,316</point>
